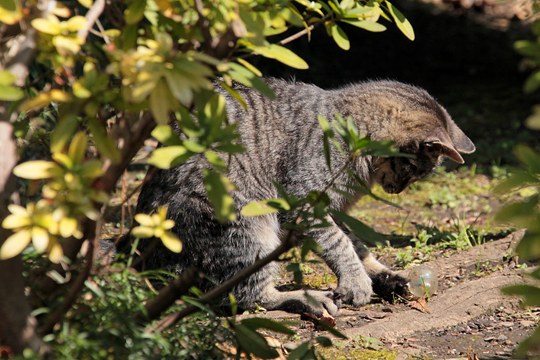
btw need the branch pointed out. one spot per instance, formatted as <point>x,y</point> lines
<point>18,326</point>
<point>297,35</point>
<point>75,289</point>
<point>169,294</point>
<point>91,17</point>
<point>223,288</point>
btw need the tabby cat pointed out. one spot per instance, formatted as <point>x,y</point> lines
<point>283,142</point>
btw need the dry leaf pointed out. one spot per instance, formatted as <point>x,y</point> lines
<point>420,304</point>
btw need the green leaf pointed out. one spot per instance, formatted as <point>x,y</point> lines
<point>142,232</point>
<point>15,244</point>
<point>518,178</point>
<point>234,93</point>
<point>253,343</point>
<point>527,48</point>
<point>532,83</point>
<point>63,132</point>
<point>402,23</point>
<point>194,146</point>
<point>269,324</point>
<point>530,293</point>
<point>533,121</point>
<point>517,212</point>
<point>340,37</point>
<point>248,78</point>
<point>529,246</point>
<point>358,228</point>
<point>218,188</point>
<point>135,11</point>
<point>529,158</point>
<point>166,135</point>
<point>10,93</point>
<point>169,156</point>
<point>324,341</point>
<point>328,133</point>
<point>161,103</point>
<point>36,170</point>
<point>6,77</point>
<point>216,161</point>
<point>299,352</point>
<point>264,207</point>
<point>366,25</point>
<point>282,54</point>
<point>104,144</point>
<point>77,148</point>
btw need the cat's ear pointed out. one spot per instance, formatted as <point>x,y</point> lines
<point>461,142</point>
<point>441,141</point>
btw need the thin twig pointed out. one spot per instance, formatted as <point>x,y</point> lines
<point>220,290</point>
<point>76,287</point>
<point>91,17</point>
<point>297,35</point>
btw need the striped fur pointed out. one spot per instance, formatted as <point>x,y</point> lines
<point>283,144</point>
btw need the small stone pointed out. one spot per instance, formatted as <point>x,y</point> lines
<point>489,338</point>
<point>507,323</point>
<point>508,342</point>
<point>502,338</point>
<point>526,323</point>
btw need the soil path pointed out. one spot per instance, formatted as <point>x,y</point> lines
<point>469,315</point>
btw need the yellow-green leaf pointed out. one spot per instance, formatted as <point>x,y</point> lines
<point>86,3</point>
<point>167,224</point>
<point>340,37</point>
<point>218,188</point>
<point>75,23</point>
<point>10,12</point>
<point>402,23</point>
<point>68,227</point>
<point>257,208</point>
<point>15,244</point>
<point>49,26</point>
<point>14,221</point>
<point>142,232</point>
<point>17,210</point>
<point>68,44</point>
<point>77,148</point>
<point>105,144</point>
<point>179,86</point>
<point>80,91</point>
<point>144,219</point>
<point>161,102</point>
<point>172,242</point>
<point>366,25</point>
<point>63,132</point>
<point>6,77</point>
<point>91,169</point>
<point>40,238</point>
<point>37,169</point>
<point>55,251</point>
<point>282,54</point>
<point>10,93</point>
<point>169,156</point>
<point>250,67</point>
<point>135,12</point>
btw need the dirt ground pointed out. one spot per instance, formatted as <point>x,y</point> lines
<point>468,318</point>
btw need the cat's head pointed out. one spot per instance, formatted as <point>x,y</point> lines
<point>419,126</point>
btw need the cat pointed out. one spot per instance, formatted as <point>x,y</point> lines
<point>283,144</point>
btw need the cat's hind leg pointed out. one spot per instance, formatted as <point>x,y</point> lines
<point>256,238</point>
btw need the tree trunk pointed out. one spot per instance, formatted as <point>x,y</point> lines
<point>17,327</point>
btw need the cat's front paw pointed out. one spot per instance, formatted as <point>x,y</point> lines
<point>356,293</point>
<point>389,285</point>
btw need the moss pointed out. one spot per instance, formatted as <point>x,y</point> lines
<point>357,354</point>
